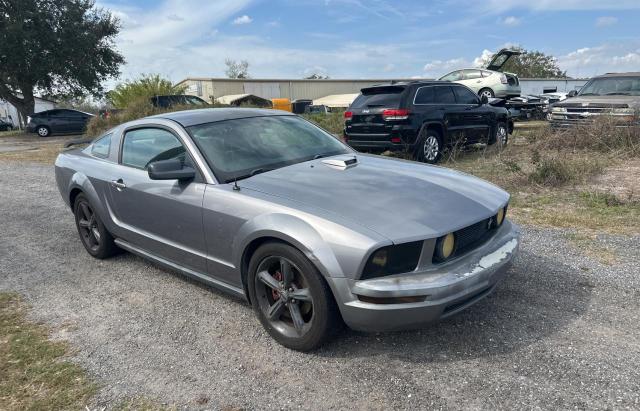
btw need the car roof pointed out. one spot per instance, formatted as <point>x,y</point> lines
<point>61,109</point>
<point>629,74</point>
<point>189,118</point>
<point>409,83</point>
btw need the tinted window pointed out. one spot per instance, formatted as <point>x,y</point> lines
<point>73,113</point>
<point>100,147</point>
<point>52,113</point>
<point>425,95</point>
<point>453,76</point>
<point>603,86</point>
<point>236,148</point>
<point>444,95</point>
<point>379,97</point>
<point>146,145</point>
<point>465,96</point>
<point>472,74</point>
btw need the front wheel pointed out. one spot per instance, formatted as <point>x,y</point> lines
<point>501,135</point>
<point>43,131</point>
<point>290,297</point>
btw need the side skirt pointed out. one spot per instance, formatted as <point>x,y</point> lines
<point>203,278</point>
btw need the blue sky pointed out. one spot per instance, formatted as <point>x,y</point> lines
<point>369,38</point>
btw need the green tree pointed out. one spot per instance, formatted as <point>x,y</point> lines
<point>55,47</point>
<point>316,76</point>
<point>531,64</point>
<point>147,86</point>
<point>237,69</point>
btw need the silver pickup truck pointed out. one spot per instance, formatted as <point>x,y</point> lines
<point>613,94</point>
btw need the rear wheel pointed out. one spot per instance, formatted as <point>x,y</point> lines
<point>487,92</point>
<point>429,147</point>
<point>501,135</point>
<point>95,238</point>
<point>43,131</point>
<point>290,297</point>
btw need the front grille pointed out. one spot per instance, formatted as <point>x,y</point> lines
<point>473,236</point>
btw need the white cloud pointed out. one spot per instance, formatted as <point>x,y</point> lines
<point>606,21</point>
<point>590,61</point>
<point>511,21</point>
<point>273,23</point>
<point>242,20</point>
<point>389,67</point>
<point>499,6</point>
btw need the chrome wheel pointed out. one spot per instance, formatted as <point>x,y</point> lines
<point>487,93</point>
<point>284,296</point>
<point>43,131</point>
<point>88,225</point>
<point>431,148</point>
<point>501,134</point>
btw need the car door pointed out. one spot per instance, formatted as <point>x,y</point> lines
<point>55,120</point>
<point>76,121</point>
<point>452,113</point>
<point>475,117</point>
<point>163,217</point>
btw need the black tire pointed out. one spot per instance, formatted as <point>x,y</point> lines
<point>424,150</point>
<point>94,236</point>
<point>317,313</point>
<point>43,131</point>
<point>500,135</point>
<point>487,92</point>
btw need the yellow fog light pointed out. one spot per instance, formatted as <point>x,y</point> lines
<point>380,258</point>
<point>500,217</point>
<point>445,246</point>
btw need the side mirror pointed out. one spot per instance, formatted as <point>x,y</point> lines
<point>484,99</point>
<point>170,170</point>
<point>572,93</point>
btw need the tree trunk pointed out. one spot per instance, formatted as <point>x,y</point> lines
<point>25,105</point>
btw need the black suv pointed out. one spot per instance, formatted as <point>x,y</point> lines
<point>424,117</point>
<point>58,121</point>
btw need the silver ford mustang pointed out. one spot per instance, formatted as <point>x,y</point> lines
<point>265,205</point>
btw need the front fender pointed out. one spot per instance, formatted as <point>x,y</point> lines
<point>290,229</point>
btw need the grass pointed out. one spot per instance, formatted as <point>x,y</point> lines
<point>589,246</point>
<point>34,373</point>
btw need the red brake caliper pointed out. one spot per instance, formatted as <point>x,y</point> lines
<point>274,293</point>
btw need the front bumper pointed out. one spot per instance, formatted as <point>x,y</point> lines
<point>449,288</point>
<point>568,120</point>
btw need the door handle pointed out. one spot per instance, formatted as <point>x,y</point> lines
<point>118,184</point>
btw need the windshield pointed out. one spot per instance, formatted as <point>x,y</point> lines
<point>611,86</point>
<point>243,147</point>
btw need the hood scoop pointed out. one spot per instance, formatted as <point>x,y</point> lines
<point>341,163</point>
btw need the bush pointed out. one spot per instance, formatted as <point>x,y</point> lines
<point>556,171</point>
<point>145,87</point>
<point>332,122</point>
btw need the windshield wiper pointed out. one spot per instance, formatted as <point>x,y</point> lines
<point>618,93</point>
<point>589,94</point>
<point>251,174</point>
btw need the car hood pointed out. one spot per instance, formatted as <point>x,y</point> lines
<point>400,200</point>
<point>608,101</point>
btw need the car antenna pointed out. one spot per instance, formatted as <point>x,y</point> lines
<point>236,187</point>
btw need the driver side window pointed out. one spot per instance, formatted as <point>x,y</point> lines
<point>146,145</point>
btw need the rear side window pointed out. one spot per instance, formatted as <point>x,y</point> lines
<point>472,74</point>
<point>388,97</point>
<point>453,76</point>
<point>425,95</point>
<point>465,96</point>
<point>444,95</point>
<point>486,73</point>
<point>100,147</point>
<point>146,145</point>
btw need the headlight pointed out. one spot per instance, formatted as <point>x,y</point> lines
<point>500,216</point>
<point>558,109</point>
<point>393,259</point>
<point>445,247</point>
<point>627,111</point>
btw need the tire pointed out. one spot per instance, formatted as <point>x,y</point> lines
<point>487,92</point>
<point>500,135</point>
<point>304,314</point>
<point>429,147</point>
<point>94,236</point>
<point>43,131</point>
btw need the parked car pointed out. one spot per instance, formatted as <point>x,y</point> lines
<point>5,125</point>
<point>58,121</point>
<point>616,95</point>
<point>177,100</point>
<point>424,117</point>
<point>489,82</point>
<point>317,109</point>
<point>267,206</point>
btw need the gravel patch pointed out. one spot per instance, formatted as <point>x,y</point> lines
<point>562,331</point>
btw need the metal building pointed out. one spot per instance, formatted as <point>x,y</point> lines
<point>211,88</point>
